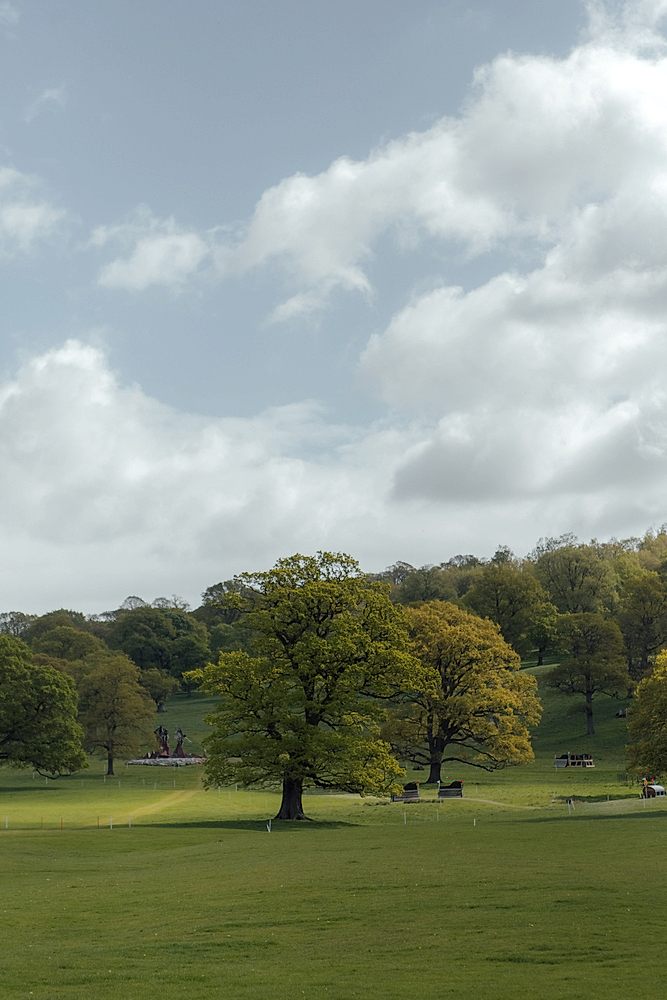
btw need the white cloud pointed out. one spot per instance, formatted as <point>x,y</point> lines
<point>113,493</point>
<point>51,99</point>
<point>25,218</point>
<point>539,139</point>
<point>158,252</point>
<point>110,485</point>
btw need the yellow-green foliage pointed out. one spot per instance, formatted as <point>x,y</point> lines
<point>647,724</point>
<point>473,703</point>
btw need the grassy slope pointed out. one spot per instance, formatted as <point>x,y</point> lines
<point>488,897</point>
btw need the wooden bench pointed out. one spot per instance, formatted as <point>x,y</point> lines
<point>451,791</point>
<point>410,793</point>
<point>574,760</point>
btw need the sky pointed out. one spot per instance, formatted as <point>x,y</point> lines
<point>381,278</point>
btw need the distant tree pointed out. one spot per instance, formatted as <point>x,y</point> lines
<point>576,577</point>
<point>397,572</point>
<point>300,711</point>
<point>227,638</point>
<point>426,584</point>
<point>216,608</point>
<point>67,643</point>
<point>594,660</point>
<point>471,703</point>
<point>116,711</point>
<point>642,615</point>
<point>15,623</point>
<point>133,602</point>
<point>543,629</point>
<point>166,638</point>
<point>652,549</point>
<point>44,623</point>
<point>503,556</point>
<point>647,722</point>
<point>461,572</point>
<point>510,596</point>
<point>38,706</point>
<point>159,685</point>
<point>179,603</point>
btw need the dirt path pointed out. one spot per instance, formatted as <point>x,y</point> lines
<point>169,800</point>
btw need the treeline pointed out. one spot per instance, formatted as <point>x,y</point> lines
<point>622,581</point>
<point>598,608</point>
<point>622,584</point>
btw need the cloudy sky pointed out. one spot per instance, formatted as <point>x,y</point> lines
<point>377,277</point>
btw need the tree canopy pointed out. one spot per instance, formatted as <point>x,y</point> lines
<point>300,709</point>
<point>594,662</point>
<point>472,705</point>
<point>38,713</point>
<point>117,712</point>
<point>647,723</point>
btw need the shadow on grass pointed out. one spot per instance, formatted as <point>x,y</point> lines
<point>587,817</point>
<point>256,825</point>
<point>10,789</point>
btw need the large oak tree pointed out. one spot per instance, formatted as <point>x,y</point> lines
<point>473,704</point>
<point>300,710</point>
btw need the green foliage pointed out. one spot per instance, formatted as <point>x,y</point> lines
<point>594,660</point>
<point>67,643</point>
<point>300,710</point>
<point>159,685</point>
<point>44,623</point>
<point>576,578</point>
<point>38,706</point>
<point>430,583</point>
<point>116,711</point>
<point>642,616</point>
<point>510,596</point>
<point>15,623</point>
<point>471,703</point>
<point>647,724</point>
<point>167,638</point>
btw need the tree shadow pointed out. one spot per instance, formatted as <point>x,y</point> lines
<point>9,789</point>
<point>598,817</point>
<point>251,825</point>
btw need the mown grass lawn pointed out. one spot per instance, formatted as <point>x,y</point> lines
<point>504,893</point>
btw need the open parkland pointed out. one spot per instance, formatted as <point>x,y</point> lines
<point>538,882</point>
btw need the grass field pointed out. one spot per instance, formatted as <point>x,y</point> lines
<point>146,886</point>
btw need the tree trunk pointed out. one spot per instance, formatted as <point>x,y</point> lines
<point>436,747</point>
<point>291,806</point>
<point>434,772</point>
<point>590,728</point>
<point>109,763</point>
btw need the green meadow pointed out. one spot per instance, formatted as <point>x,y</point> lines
<point>146,886</point>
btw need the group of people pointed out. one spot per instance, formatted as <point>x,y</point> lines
<point>162,736</point>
